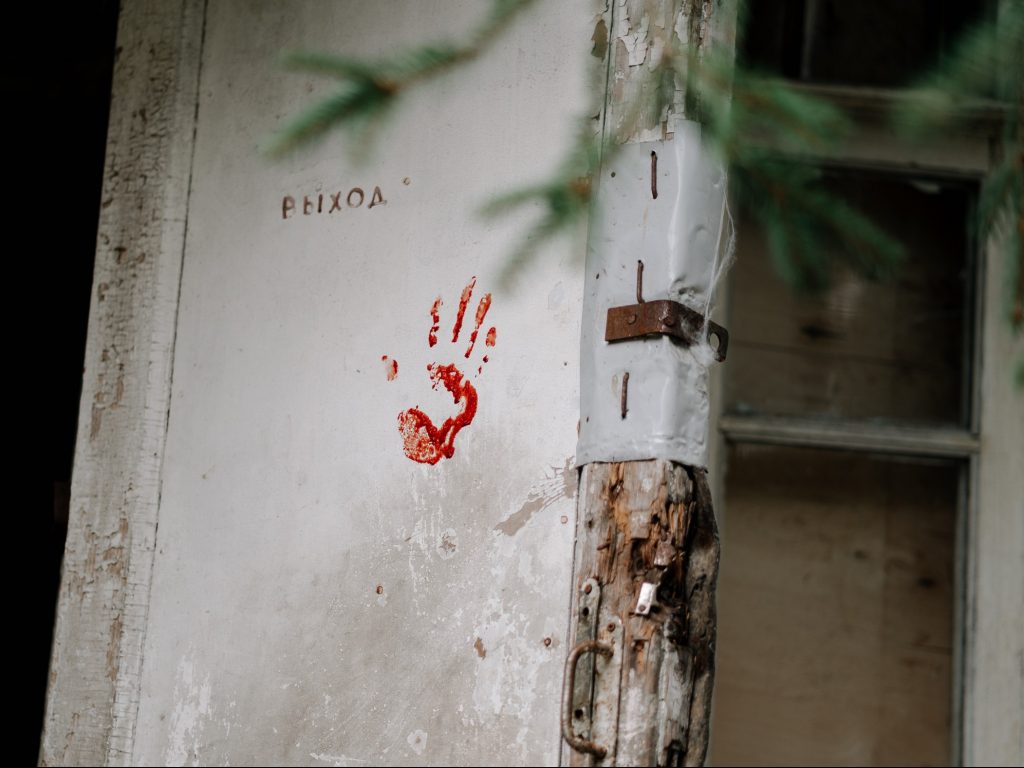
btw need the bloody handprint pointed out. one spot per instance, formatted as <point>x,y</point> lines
<point>422,440</point>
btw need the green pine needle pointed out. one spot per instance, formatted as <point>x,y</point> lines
<point>357,103</point>
<point>341,67</point>
<point>807,227</point>
<point>369,87</point>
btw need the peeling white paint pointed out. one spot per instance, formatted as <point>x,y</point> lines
<point>556,298</point>
<point>636,47</point>
<point>417,741</point>
<point>506,679</point>
<point>191,711</point>
<point>337,760</point>
<point>559,484</point>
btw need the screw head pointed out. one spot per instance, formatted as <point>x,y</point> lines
<point>588,589</point>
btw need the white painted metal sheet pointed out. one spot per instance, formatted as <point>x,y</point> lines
<point>662,203</point>
<point>318,596</point>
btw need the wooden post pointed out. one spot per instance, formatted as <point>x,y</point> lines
<point>647,550</point>
<point>651,522</point>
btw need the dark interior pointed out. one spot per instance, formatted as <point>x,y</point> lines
<point>56,80</point>
<point>839,42</point>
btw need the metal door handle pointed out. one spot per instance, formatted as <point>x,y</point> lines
<point>569,685</point>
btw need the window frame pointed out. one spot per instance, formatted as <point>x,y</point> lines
<point>989,487</point>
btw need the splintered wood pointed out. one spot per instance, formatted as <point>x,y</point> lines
<point>649,527</point>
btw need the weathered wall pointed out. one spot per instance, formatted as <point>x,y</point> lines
<point>318,596</point>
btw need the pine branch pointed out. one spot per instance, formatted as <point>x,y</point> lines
<point>807,227</point>
<point>356,103</point>
<point>986,62</point>
<point>370,87</point>
<point>341,67</point>
<point>564,199</point>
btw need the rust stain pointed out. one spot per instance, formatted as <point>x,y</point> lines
<point>104,399</point>
<point>114,647</point>
<point>480,650</point>
<point>617,504</point>
<point>103,564</point>
<point>561,485</point>
<point>121,256</point>
<point>95,421</point>
<point>447,545</point>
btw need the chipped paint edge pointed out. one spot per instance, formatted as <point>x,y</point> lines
<point>102,607</point>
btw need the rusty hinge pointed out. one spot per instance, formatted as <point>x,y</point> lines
<point>662,316</point>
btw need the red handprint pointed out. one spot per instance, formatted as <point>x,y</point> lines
<point>422,440</point>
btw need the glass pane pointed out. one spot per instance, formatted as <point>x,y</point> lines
<point>835,610</point>
<point>891,350</point>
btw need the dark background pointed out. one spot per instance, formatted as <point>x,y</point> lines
<point>57,65</point>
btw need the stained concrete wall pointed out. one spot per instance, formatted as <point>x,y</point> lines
<point>317,595</point>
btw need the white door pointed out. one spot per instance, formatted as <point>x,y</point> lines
<point>364,538</point>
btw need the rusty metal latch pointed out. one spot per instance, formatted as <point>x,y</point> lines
<point>662,316</point>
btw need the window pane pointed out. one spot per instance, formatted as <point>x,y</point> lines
<point>835,610</point>
<point>892,350</point>
<point>854,43</point>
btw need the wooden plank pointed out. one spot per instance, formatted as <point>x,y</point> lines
<point>93,693</point>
